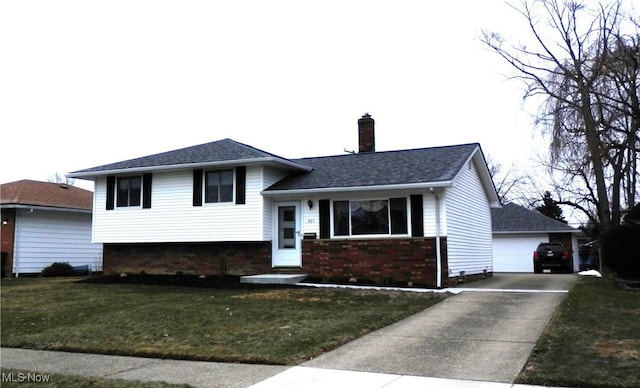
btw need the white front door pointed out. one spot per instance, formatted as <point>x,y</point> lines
<point>286,243</point>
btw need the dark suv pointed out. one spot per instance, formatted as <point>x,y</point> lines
<point>552,256</point>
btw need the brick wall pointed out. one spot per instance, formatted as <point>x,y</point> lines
<point>7,239</point>
<point>388,261</point>
<point>233,258</point>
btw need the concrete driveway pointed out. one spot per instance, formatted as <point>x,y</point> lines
<point>522,281</point>
<point>485,336</point>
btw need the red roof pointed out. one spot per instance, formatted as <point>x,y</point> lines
<point>34,193</point>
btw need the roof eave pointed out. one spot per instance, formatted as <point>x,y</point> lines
<point>403,186</point>
<point>485,177</point>
<point>170,167</point>
<point>41,207</point>
<point>535,231</point>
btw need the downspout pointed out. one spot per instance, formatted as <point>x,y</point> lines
<point>438,255</point>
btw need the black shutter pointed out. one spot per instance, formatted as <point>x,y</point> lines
<point>197,187</point>
<point>241,185</point>
<point>398,213</point>
<point>146,191</point>
<point>111,192</point>
<point>325,218</point>
<point>417,228</point>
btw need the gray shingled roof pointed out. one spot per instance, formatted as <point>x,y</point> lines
<point>424,165</point>
<point>225,150</point>
<point>515,218</point>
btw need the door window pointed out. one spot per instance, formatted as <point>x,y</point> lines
<point>286,227</point>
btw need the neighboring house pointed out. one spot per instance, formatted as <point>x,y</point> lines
<point>419,215</point>
<point>43,223</point>
<point>517,231</point>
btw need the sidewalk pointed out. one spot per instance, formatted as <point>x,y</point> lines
<point>195,373</point>
<point>222,375</point>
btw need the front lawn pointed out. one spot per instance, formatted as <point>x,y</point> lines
<point>593,339</point>
<point>275,326</point>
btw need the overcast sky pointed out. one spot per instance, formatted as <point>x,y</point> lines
<point>85,83</point>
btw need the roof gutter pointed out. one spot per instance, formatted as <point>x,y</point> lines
<point>182,166</point>
<point>50,208</point>
<point>404,186</point>
<point>505,232</point>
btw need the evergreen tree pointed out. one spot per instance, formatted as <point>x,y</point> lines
<point>550,208</point>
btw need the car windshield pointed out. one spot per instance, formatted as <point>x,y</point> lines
<point>551,246</point>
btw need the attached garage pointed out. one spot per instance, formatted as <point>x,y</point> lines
<point>44,223</point>
<point>517,231</point>
<point>43,237</point>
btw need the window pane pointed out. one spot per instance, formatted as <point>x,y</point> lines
<point>123,192</point>
<point>212,183</point>
<point>129,191</point>
<point>218,186</point>
<point>135,191</point>
<point>369,217</point>
<point>289,215</point>
<point>286,227</point>
<point>226,186</point>
<point>341,218</point>
<point>399,216</point>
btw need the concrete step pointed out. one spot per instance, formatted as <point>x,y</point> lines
<point>273,278</point>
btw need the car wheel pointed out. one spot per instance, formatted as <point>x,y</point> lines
<point>537,269</point>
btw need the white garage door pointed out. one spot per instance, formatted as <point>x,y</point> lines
<point>515,253</point>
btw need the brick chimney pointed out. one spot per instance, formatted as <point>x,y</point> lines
<point>366,136</point>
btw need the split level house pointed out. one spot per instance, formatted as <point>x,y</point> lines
<point>419,216</point>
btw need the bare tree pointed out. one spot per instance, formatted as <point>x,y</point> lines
<point>578,63</point>
<point>511,184</point>
<point>61,178</point>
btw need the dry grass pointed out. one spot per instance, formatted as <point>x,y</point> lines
<point>592,341</point>
<point>274,326</point>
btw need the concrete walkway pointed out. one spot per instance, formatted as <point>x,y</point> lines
<point>194,373</point>
<point>481,337</point>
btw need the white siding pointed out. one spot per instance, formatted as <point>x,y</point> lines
<point>269,177</point>
<point>311,217</point>
<point>468,224</point>
<point>173,218</point>
<point>44,237</point>
<point>430,216</point>
<point>514,253</point>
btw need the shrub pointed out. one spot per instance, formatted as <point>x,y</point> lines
<point>58,269</point>
<point>621,250</point>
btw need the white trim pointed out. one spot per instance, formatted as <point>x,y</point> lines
<point>535,231</point>
<point>483,174</point>
<point>402,186</point>
<point>51,208</point>
<point>182,166</point>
